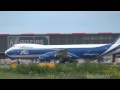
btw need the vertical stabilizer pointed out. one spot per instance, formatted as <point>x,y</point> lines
<point>117,41</point>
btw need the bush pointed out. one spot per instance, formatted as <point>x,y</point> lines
<point>68,70</point>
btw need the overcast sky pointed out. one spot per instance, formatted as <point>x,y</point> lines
<point>18,22</point>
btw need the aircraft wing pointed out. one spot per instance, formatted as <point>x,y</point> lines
<point>64,53</point>
<point>61,52</point>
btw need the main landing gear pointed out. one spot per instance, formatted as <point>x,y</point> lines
<point>100,60</point>
<point>113,59</point>
<point>64,60</point>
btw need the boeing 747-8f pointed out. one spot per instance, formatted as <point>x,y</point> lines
<point>48,52</point>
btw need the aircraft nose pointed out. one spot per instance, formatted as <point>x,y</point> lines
<point>6,52</point>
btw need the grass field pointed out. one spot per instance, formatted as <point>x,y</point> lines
<point>61,71</point>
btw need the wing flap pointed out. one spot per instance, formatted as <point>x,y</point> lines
<point>62,52</point>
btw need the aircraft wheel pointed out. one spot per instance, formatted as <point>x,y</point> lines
<point>62,60</point>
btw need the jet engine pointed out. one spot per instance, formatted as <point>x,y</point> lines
<point>47,56</point>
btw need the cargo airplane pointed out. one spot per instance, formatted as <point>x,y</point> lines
<point>64,52</point>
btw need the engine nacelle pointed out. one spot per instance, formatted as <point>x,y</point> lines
<point>42,57</point>
<point>47,56</point>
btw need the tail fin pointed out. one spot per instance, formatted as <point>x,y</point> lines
<point>117,41</point>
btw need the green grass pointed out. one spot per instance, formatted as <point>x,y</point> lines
<point>10,75</point>
<point>61,71</point>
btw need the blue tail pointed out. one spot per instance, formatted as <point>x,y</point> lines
<point>117,41</point>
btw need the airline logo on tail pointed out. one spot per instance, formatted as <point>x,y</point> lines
<point>117,41</point>
<point>114,46</point>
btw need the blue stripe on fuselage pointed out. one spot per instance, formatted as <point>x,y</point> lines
<point>73,52</point>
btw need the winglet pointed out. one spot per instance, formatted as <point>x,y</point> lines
<point>117,41</point>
